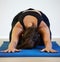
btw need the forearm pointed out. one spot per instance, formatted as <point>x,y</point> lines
<point>48,44</point>
<point>46,38</point>
<point>15,35</point>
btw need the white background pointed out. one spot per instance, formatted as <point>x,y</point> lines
<point>9,8</point>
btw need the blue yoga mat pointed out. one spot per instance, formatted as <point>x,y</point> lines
<point>30,52</point>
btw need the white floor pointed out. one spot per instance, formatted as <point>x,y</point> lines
<point>29,59</point>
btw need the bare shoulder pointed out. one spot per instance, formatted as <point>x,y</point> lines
<point>42,24</point>
<point>18,24</point>
<point>43,28</point>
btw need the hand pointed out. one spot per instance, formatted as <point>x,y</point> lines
<point>49,50</point>
<point>11,48</point>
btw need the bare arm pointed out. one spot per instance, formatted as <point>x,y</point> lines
<point>17,30</point>
<point>46,37</point>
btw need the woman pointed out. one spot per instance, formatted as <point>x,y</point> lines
<point>24,20</point>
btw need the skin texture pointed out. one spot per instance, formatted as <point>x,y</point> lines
<point>30,21</point>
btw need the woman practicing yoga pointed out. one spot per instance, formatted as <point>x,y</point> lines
<point>30,28</point>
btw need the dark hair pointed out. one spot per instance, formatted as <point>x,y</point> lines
<point>30,37</point>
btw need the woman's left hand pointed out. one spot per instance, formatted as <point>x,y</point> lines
<point>49,50</point>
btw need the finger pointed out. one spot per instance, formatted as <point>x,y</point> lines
<point>17,50</point>
<point>9,51</point>
<point>13,51</point>
<point>47,51</point>
<point>53,51</point>
<point>43,50</point>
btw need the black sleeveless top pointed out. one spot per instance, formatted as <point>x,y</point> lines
<point>35,14</point>
<point>20,16</point>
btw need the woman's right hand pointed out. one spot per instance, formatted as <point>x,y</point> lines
<point>11,48</point>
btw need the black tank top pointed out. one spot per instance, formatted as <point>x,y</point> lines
<point>20,16</point>
<point>35,14</point>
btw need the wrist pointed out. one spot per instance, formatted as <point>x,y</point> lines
<point>48,45</point>
<point>12,45</point>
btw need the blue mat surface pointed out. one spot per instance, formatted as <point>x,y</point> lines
<point>30,52</point>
